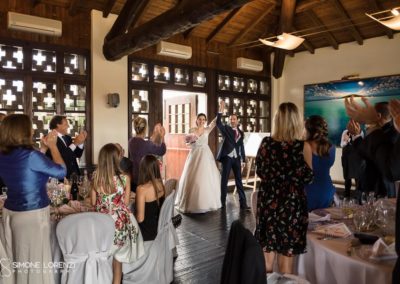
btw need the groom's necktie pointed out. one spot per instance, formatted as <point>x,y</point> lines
<point>236,133</point>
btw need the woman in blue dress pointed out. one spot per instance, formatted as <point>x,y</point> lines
<point>320,192</point>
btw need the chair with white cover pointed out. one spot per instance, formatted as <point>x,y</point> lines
<point>85,240</point>
<point>156,266</point>
<point>170,185</point>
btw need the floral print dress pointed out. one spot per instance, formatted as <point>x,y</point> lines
<point>128,241</point>
<point>282,216</point>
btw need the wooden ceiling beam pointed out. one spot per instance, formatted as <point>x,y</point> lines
<point>129,14</point>
<point>250,27</point>
<point>74,7</point>
<point>355,33</point>
<point>375,7</point>
<point>108,7</point>
<point>188,33</point>
<point>174,21</point>
<point>327,34</point>
<point>306,5</point>
<point>221,25</point>
<point>285,25</point>
<point>307,44</point>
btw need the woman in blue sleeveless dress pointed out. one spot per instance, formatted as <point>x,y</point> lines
<point>321,191</point>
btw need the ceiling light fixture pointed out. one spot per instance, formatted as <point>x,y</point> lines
<point>388,18</point>
<point>284,41</point>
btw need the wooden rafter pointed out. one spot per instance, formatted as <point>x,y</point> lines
<point>172,22</point>
<point>128,16</point>
<point>250,27</point>
<point>108,7</point>
<point>355,33</point>
<point>306,5</point>
<point>307,44</point>
<point>188,33</point>
<point>74,7</point>
<point>285,25</point>
<point>375,7</point>
<point>221,25</point>
<point>328,35</point>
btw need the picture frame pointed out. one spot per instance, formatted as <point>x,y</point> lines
<point>327,99</point>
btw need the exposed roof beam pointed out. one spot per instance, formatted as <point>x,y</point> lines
<point>375,7</point>
<point>35,2</point>
<point>172,22</point>
<point>285,25</point>
<point>355,33</point>
<point>308,5</point>
<point>222,24</point>
<point>307,44</point>
<point>328,35</point>
<point>128,15</point>
<point>73,7</point>
<point>188,33</point>
<point>250,27</point>
<point>108,7</point>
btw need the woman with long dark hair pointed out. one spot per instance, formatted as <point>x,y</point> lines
<point>320,192</point>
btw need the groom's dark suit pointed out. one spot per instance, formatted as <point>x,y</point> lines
<point>228,145</point>
<point>68,155</point>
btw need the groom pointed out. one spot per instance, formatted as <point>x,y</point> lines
<point>231,154</point>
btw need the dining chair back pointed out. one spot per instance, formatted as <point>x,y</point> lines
<point>85,240</point>
<point>156,266</point>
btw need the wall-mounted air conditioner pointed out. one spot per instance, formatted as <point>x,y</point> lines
<point>174,50</point>
<point>33,24</point>
<point>249,64</point>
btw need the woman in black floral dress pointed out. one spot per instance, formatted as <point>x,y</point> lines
<point>284,166</point>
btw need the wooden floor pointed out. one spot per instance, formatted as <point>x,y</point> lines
<point>203,239</point>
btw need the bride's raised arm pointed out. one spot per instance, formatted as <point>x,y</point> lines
<point>211,125</point>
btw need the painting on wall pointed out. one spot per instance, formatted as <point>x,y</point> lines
<point>327,99</point>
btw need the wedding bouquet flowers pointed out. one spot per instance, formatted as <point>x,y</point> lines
<point>191,138</point>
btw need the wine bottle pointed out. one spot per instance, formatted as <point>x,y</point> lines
<point>74,187</point>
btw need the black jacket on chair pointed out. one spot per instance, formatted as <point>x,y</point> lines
<point>68,155</point>
<point>244,259</point>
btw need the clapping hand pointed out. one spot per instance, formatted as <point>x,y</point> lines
<point>394,108</point>
<point>221,106</point>
<point>158,134</point>
<point>51,139</point>
<point>354,127</point>
<point>80,138</point>
<point>361,114</point>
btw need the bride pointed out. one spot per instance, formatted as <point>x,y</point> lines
<point>199,185</point>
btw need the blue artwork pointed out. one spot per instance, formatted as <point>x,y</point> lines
<point>327,99</point>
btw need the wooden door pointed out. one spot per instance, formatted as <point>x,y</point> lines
<point>179,117</point>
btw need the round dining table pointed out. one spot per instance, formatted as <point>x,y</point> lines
<point>336,261</point>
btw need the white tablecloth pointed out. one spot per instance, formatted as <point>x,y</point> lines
<point>327,262</point>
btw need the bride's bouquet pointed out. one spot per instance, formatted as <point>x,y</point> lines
<point>191,138</point>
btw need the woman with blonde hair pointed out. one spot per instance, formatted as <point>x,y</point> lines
<point>150,196</point>
<point>26,213</point>
<point>139,147</point>
<point>110,195</point>
<point>320,192</point>
<point>284,165</point>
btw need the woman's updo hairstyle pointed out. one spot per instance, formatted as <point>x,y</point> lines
<point>317,131</point>
<point>140,125</point>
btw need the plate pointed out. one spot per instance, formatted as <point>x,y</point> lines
<point>365,252</point>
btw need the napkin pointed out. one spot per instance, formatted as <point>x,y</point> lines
<point>277,278</point>
<point>380,250</point>
<point>339,230</point>
<point>312,217</point>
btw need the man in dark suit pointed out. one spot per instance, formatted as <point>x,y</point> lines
<point>70,149</point>
<point>385,152</point>
<point>232,156</point>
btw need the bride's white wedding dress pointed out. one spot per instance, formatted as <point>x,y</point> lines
<point>200,184</point>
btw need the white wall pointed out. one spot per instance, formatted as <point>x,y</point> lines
<point>376,57</point>
<point>109,124</point>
